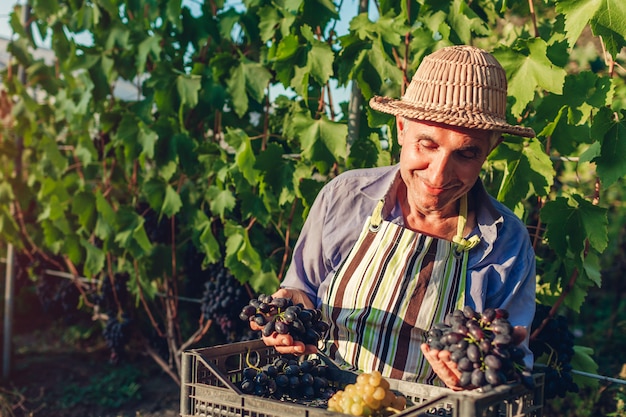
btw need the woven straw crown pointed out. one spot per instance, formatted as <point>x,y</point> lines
<point>459,86</point>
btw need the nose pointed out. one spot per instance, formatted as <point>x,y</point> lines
<point>440,170</point>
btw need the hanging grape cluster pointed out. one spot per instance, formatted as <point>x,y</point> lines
<point>117,334</point>
<point>554,345</point>
<point>221,292</point>
<point>282,316</point>
<point>59,297</point>
<point>289,378</point>
<point>370,395</point>
<point>112,298</point>
<point>481,345</point>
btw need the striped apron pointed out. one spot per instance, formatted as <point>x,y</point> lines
<point>393,287</point>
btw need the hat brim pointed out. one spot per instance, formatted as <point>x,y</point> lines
<point>453,117</point>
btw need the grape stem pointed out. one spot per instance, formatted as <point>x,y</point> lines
<point>255,366</point>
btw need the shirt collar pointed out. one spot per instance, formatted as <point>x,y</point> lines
<point>488,218</point>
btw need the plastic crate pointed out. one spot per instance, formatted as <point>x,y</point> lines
<point>211,376</point>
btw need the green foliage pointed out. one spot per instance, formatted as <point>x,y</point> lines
<point>111,389</point>
<point>205,158</point>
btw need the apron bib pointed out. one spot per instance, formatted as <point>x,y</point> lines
<point>393,287</point>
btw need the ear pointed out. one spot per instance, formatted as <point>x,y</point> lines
<point>495,142</point>
<point>400,122</point>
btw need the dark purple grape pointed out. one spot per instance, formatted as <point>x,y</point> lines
<point>494,377</point>
<point>281,327</point>
<point>493,362</point>
<point>478,378</point>
<point>488,315</point>
<point>466,379</point>
<point>473,352</point>
<point>269,328</point>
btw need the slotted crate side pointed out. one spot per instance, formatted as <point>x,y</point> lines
<point>511,400</point>
<point>210,378</point>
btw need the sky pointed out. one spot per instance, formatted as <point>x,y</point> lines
<point>5,8</point>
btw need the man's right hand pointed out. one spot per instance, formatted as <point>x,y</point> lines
<point>284,343</point>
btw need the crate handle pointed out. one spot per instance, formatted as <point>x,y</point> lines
<point>218,374</point>
<point>423,406</point>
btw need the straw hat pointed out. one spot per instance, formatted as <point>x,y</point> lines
<point>459,86</point>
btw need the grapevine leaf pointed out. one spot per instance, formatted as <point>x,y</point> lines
<point>72,249</point>
<point>174,12</point>
<point>386,28</point>
<point>389,75</point>
<point>528,169</point>
<point>269,20</point>
<point>264,282</point>
<point>131,234</point>
<point>252,206</point>
<point>322,139</point>
<point>528,67</point>
<point>241,258</point>
<point>247,77</point>
<point>244,157</point>
<point>572,222</point>
<point>592,268</point>
<point>276,171</point>
<point>569,113</point>
<point>594,221</point>
<point>220,201</point>
<point>188,87</point>
<point>203,237</point>
<point>105,224</point>
<point>564,230</point>
<point>607,18</point>
<point>150,45</point>
<point>171,202</point>
<point>257,79</point>
<point>611,164</point>
<point>94,260</point>
<point>210,246</point>
<point>147,139</point>
<point>53,238</point>
<point>83,206</point>
<point>154,190</point>
<point>320,57</point>
<point>583,361</point>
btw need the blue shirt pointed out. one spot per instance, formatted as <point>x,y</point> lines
<point>500,271</point>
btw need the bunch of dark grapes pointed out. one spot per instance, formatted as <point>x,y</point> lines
<point>481,345</point>
<point>113,293</point>
<point>221,292</point>
<point>282,316</point>
<point>59,297</point>
<point>46,292</point>
<point>116,333</point>
<point>289,378</point>
<point>554,346</point>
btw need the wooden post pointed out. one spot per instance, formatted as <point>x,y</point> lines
<point>10,264</point>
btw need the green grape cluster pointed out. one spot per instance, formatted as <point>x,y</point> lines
<point>370,395</point>
<point>281,315</point>
<point>482,346</point>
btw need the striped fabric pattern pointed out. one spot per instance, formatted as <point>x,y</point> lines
<point>392,288</point>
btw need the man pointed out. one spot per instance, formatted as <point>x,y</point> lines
<point>388,252</point>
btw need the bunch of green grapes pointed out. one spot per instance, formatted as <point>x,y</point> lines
<point>370,395</point>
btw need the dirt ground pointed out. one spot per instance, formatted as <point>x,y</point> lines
<point>54,376</point>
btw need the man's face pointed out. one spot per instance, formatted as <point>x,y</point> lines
<point>439,163</point>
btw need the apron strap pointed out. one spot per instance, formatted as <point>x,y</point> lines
<point>462,244</point>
